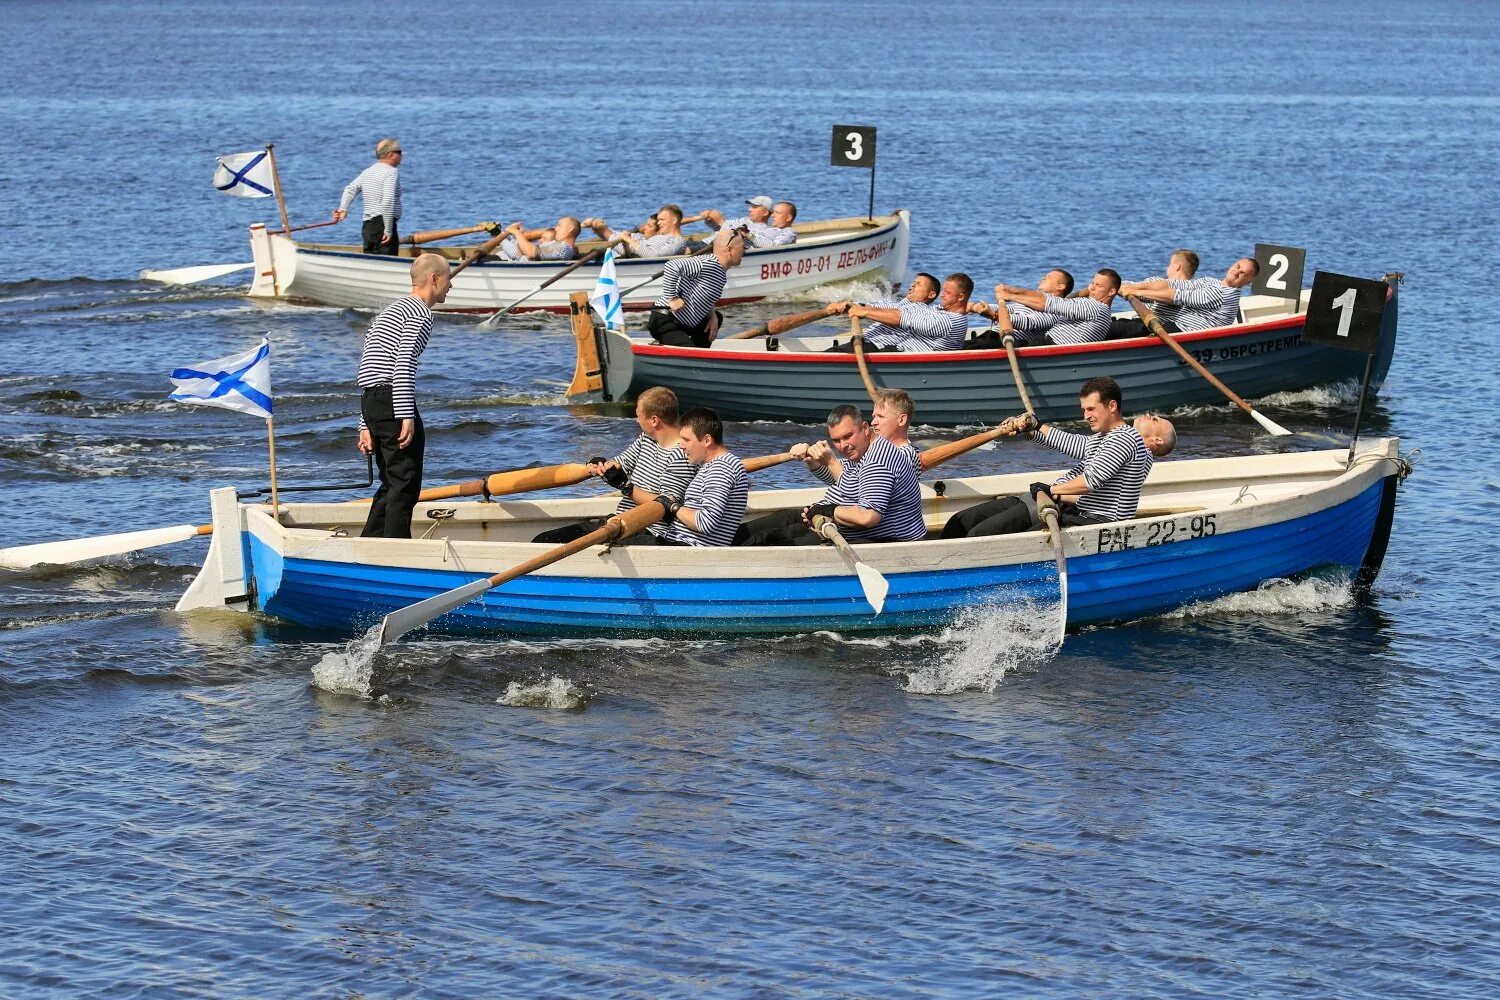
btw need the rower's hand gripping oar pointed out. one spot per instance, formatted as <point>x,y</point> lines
<point>1154,325</point>
<point>1046,510</point>
<point>871,581</point>
<point>493,320</point>
<point>398,623</point>
<point>782,324</point>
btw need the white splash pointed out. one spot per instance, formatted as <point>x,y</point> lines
<point>555,692</point>
<point>1275,597</point>
<point>348,670</point>
<point>986,643</point>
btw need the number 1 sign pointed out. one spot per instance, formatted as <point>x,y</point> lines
<point>1345,312</point>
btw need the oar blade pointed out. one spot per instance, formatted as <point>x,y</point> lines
<point>1269,424</point>
<point>79,549</point>
<point>874,584</point>
<point>193,275</point>
<point>403,620</point>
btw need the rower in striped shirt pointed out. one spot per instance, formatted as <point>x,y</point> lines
<point>560,242</point>
<point>379,185</point>
<point>683,315</point>
<point>1103,485</point>
<point>891,419</point>
<point>877,497</point>
<point>667,241</point>
<point>1199,303</point>
<point>390,427</point>
<point>653,464</point>
<point>707,515</point>
<point>912,324</point>
<point>1181,266</point>
<point>768,223</point>
<point>1048,315</point>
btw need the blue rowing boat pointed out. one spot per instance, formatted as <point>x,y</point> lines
<point>1206,528</point>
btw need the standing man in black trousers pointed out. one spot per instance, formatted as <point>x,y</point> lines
<point>390,427</point>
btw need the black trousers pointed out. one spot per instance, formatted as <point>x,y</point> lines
<point>785,527</point>
<point>564,535</point>
<point>849,349</point>
<point>665,329</point>
<point>994,340</point>
<point>400,468</point>
<point>1006,516</point>
<point>1122,328</point>
<point>373,234</point>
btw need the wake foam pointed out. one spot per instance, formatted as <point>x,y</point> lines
<point>555,692</point>
<point>348,670</point>
<point>986,643</point>
<point>1275,597</point>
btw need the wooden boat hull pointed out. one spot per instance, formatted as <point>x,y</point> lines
<point>1204,540</point>
<point>744,380</point>
<point>834,250</point>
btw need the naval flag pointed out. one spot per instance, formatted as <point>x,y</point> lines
<point>245,175</point>
<point>242,382</point>
<point>605,298</point>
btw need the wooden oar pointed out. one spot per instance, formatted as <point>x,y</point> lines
<point>398,623</point>
<point>548,477</point>
<point>1046,509</point>
<point>493,320</point>
<point>930,457</point>
<point>478,252</point>
<point>859,356</point>
<point>433,235</point>
<point>193,275</point>
<point>1154,325</point>
<point>776,327</point>
<point>709,245</point>
<point>1009,341</point>
<point>78,549</point>
<point>871,581</point>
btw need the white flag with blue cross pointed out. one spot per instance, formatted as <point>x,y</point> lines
<point>245,175</point>
<point>605,298</point>
<point>241,382</point>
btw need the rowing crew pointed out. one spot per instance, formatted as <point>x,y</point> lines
<point>378,186</point>
<point>872,471</point>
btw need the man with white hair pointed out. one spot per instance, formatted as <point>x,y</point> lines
<point>684,315</point>
<point>379,185</point>
<point>768,223</point>
<point>390,427</point>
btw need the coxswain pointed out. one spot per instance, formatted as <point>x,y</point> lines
<point>683,314</point>
<point>379,185</point>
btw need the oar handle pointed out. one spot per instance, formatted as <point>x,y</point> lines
<point>1009,341</point>
<point>1154,325</point>
<point>780,325</point>
<point>478,252</point>
<point>766,461</point>
<point>432,235</point>
<point>619,527</point>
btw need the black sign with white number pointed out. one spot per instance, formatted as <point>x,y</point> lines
<point>1280,272</point>
<point>1345,312</point>
<point>854,145</point>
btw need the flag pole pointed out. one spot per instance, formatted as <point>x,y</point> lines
<point>271,444</point>
<point>286,224</point>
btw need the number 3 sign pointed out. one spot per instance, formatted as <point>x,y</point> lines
<point>1345,312</point>
<point>854,145</point>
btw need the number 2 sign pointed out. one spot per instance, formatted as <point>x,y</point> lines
<point>1280,272</point>
<point>1345,312</point>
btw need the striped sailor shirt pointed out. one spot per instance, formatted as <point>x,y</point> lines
<point>1115,466</point>
<point>923,327</point>
<point>1163,310</point>
<point>763,234</point>
<point>656,470</point>
<point>698,281</point>
<point>883,480</point>
<point>661,245</point>
<point>717,495</point>
<point>509,249</point>
<point>380,184</point>
<point>1079,321</point>
<point>1030,324</point>
<point>825,473</point>
<point>393,344</point>
<point>1205,303</point>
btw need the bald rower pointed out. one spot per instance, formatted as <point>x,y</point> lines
<point>684,315</point>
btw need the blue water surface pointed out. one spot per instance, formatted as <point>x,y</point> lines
<point>1283,794</point>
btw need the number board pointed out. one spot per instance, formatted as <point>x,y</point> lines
<point>1280,273</point>
<point>854,145</point>
<point>1345,312</point>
